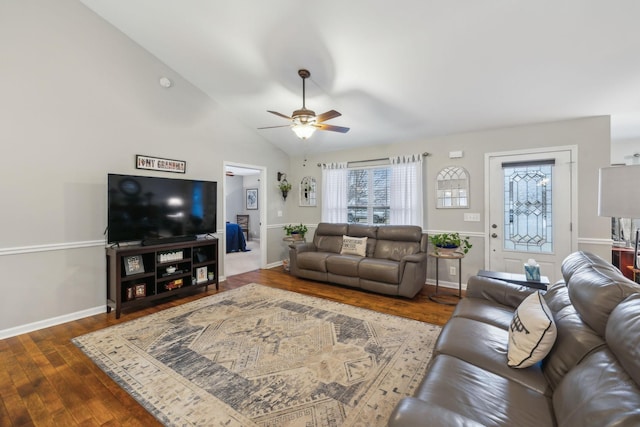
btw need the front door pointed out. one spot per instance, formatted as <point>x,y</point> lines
<point>530,211</point>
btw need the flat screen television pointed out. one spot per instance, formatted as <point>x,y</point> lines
<point>150,209</point>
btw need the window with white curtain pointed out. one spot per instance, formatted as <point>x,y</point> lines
<point>388,194</point>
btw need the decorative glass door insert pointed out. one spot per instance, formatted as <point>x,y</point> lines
<point>528,225</point>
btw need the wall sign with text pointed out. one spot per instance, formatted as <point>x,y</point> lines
<point>158,164</point>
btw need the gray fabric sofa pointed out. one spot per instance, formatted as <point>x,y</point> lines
<point>590,377</point>
<point>395,261</point>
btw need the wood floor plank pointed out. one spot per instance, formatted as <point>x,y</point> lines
<point>46,380</point>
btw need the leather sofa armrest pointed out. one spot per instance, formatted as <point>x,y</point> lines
<point>499,291</point>
<point>414,257</point>
<point>412,412</point>
<point>303,247</point>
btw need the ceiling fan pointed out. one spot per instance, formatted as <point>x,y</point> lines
<point>305,122</point>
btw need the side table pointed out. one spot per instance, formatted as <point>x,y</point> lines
<point>436,297</point>
<point>289,240</point>
<point>517,279</point>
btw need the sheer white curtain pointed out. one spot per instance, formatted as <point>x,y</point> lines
<point>406,190</point>
<point>334,192</point>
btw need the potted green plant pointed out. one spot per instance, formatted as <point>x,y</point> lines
<point>450,242</point>
<point>296,231</point>
<point>284,187</point>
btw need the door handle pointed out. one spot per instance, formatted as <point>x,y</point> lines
<point>494,235</point>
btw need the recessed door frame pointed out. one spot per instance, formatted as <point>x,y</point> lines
<point>573,149</point>
<point>262,210</point>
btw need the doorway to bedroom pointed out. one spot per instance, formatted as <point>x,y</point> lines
<point>243,213</point>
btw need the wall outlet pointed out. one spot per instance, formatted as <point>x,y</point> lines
<point>452,271</point>
<point>279,213</point>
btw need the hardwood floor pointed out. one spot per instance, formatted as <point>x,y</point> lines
<point>46,381</point>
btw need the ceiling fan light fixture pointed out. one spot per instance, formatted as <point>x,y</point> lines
<point>304,121</point>
<point>303,130</point>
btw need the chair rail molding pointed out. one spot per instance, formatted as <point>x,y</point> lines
<point>50,247</point>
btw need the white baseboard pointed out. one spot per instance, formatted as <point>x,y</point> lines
<point>274,264</point>
<point>46,323</point>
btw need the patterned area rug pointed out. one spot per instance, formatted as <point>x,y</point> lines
<point>258,356</point>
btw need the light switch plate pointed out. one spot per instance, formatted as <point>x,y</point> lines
<point>473,217</point>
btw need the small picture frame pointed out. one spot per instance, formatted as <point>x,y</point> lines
<point>252,198</point>
<point>130,294</point>
<point>140,290</point>
<point>201,274</point>
<point>133,265</point>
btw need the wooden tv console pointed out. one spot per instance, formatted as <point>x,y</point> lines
<point>137,274</point>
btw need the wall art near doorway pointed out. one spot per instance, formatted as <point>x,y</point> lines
<point>252,198</point>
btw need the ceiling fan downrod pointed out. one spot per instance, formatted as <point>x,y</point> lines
<point>305,74</point>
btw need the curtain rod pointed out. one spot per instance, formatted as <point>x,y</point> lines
<point>425,154</point>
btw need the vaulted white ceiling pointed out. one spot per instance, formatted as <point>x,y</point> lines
<point>397,71</point>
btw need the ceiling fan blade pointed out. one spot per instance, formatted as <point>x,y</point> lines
<point>333,128</point>
<point>279,114</point>
<point>272,127</point>
<point>327,116</point>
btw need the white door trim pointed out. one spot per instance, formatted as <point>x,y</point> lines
<point>573,149</point>
<point>262,204</point>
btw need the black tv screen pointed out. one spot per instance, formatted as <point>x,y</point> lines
<point>152,208</point>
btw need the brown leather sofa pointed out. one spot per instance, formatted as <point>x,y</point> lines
<point>395,261</point>
<point>590,377</point>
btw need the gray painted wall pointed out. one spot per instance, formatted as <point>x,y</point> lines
<point>234,194</point>
<point>80,99</point>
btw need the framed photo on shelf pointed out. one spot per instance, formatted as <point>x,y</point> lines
<point>252,198</point>
<point>133,265</point>
<point>140,290</point>
<point>130,294</point>
<point>201,274</point>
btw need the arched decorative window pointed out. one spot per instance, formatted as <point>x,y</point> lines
<point>308,191</point>
<point>452,188</point>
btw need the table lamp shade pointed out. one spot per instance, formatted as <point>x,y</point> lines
<point>619,192</point>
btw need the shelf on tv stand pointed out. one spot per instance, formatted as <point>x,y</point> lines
<point>124,291</point>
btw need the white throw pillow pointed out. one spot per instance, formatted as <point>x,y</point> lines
<point>532,332</point>
<point>354,246</point>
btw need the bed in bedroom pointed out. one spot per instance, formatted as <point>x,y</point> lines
<point>235,238</point>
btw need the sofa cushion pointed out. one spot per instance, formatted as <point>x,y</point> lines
<point>361,230</point>
<point>316,261</point>
<point>343,265</point>
<point>575,338</point>
<point>483,396</point>
<point>394,242</point>
<point>623,335</point>
<point>532,332</point>
<point>578,260</point>
<point>501,292</point>
<point>412,412</point>
<point>380,270</point>
<point>368,231</point>
<point>328,237</point>
<point>485,346</point>
<point>596,290</point>
<point>354,246</point>
<point>394,251</point>
<point>597,392</point>
<point>485,311</point>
